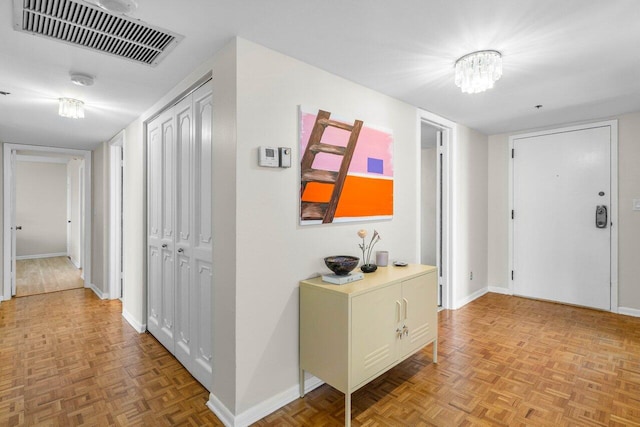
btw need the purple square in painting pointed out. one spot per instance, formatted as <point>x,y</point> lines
<point>375,165</point>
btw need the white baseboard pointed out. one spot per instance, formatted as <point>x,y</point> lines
<point>139,327</point>
<point>95,290</point>
<point>466,300</point>
<point>629,311</point>
<point>76,263</point>
<point>500,290</point>
<point>262,409</point>
<point>57,254</point>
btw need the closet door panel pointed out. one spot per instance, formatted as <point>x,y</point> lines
<point>154,290</point>
<point>183,312</point>
<point>184,174</point>
<point>168,179</point>
<point>166,336</point>
<point>203,347</point>
<point>203,106</point>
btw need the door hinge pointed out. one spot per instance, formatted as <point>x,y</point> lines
<point>513,153</point>
<point>512,214</point>
<point>511,274</point>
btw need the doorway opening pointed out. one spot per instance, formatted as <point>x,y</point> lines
<point>47,196</point>
<point>436,138</point>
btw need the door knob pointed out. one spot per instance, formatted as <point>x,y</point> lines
<point>164,246</point>
<point>180,250</point>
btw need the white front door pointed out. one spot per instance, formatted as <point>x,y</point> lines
<point>560,253</point>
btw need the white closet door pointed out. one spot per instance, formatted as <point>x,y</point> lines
<point>160,151</point>
<point>201,302</point>
<point>179,230</point>
<point>184,233</point>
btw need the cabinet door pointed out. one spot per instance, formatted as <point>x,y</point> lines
<point>374,317</point>
<point>419,312</point>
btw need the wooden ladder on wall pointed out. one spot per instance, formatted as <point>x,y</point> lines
<point>326,210</point>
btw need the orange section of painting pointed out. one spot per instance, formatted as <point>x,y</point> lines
<point>360,196</point>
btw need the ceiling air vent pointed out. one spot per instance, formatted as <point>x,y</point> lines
<point>86,25</point>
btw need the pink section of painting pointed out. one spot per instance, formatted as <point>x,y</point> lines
<point>373,154</point>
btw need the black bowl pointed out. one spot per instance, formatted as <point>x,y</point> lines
<point>341,264</point>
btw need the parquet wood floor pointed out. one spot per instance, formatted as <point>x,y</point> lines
<point>70,359</point>
<point>42,275</point>
<point>503,361</point>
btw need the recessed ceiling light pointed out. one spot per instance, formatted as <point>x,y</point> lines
<point>118,6</point>
<point>81,79</point>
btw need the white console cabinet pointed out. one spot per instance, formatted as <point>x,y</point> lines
<point>350,334</point>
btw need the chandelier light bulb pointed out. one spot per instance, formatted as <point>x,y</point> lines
<point>477,71</point>
<point>72,108</point>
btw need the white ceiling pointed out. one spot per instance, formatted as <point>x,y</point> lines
<point>580,59</point>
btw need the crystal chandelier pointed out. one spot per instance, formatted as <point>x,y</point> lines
<point>477,71</point>
<point>72,108</point>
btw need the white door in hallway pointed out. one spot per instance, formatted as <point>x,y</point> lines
<point>179,251</point>
<point>561,247</point>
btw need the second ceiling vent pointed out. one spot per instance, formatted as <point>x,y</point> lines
<point>85,25</point>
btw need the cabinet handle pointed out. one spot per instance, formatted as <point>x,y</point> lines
<point>398,309</point>
<point>406,308</point>
<point>399,333</point>
<point>405,331</point>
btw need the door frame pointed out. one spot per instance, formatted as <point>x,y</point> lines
<point>9,206</point>
<point>613,217</point>
<point>449,138</point>
<point>116,146</point>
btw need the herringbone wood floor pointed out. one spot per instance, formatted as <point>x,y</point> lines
<point>69,359</point>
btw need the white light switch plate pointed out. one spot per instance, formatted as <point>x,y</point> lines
<point>636,205</point>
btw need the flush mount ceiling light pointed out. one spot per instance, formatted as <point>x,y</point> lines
<point>477,71</point>
<point>118,6</point>
<point>72,108</point>
<point>81,79</point>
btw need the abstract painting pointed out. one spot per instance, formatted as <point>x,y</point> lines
<point>346,169</point>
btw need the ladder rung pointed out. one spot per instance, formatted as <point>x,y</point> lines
<point>335,124</point>
<point>316,175</point>
<point>328,148</point>
<point>313,210</point>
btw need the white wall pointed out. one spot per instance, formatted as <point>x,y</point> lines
<point>260,251</point>
<point>75,246</point>
<point>498,213</point>
<point>273,251</point>
<point>628,220</point>
<point>470,215</point>
<point>41,208</point>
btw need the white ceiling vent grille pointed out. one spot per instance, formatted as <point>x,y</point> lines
<point>85,25</point>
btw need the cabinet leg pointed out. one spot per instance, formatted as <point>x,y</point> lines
<point>347,410</point>
<point>435,351</point>
<point>301,382</point>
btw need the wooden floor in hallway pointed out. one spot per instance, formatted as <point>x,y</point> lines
<point>42,275</point>
<point>70,359</point>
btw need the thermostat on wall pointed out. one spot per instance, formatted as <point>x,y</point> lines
<point>268,157</point>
